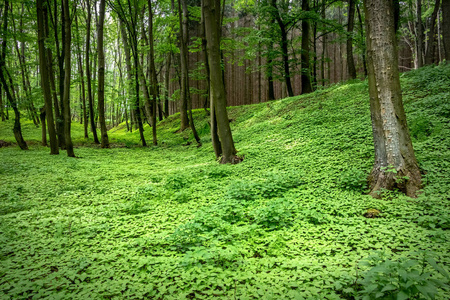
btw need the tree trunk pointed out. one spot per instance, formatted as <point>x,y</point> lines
<point>429,55</point>
<point>446,28</point>
<point>166,83</point>
<point>284,46</point>
<point>153,75</point>
<point>88,74</point>
<point>2,113</point>
<point>101,77</point>
<point>419,35</point>
<point>17,127</point>
<point>361,27</point>
<point>43,129</point>
<point>395,165</point>
<point>83,90</point>
<point>184,38</point>
<point>45,80</point>
<point>212,14</point>
<point>350,26</point>
<point>67,70</point>
<point>306,74</point>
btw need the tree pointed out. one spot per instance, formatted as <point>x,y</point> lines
<point>45,82</point>
<point>88,73</point>
<point>184,39</point>
<point>67,70</point>
<point>213,19</point>
<point>395,165</point>
<point>306,77</point>
<point>446,28</point>
<point>4,74</point>
<point>350,26</point>
<point>101,77</point>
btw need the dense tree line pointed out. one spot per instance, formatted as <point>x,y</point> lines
<point>104,62</point>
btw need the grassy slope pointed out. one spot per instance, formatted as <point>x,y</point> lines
<point>168,221</point>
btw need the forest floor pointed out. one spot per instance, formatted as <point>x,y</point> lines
<point>289,222</point>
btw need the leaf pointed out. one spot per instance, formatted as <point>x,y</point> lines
<point>402,295</point>
<point>389,287</point>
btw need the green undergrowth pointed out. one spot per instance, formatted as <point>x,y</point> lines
<point>169,222</point>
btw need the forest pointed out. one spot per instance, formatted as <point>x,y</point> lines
<point>230,149</point>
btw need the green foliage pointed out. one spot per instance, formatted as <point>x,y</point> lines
<point>354,179</point>
<point>169,222</point>
<point>402,279</point>
<point>275,215</point>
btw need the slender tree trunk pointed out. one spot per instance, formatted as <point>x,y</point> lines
<point>88,74</point>
<point>284,47</point>
<point>306,68</point>
<point>166,83</point>
<point>212,14</point>
<point>446,28</point>
<point>67,71</point>
<point>395,164</point>
<point>153,75</point>
<point>361,28</point>
<point>17,127</point>
<point>350,26</point>
<point>184,37</point>
<point>419,35</point>
<point>43,129</point>
<point>2,113</point>
<point>45,80</point>
<point>83,90</point>
<point>101,77</point>
<point>429,55</point>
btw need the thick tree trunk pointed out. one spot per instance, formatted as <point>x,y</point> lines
<point>284,47</point>
<point>306,69</point>
<point>429,55</point>
<point>17,127</point>
<point>45,80</point>
<point>350,26</point>
<point>101,77</point>
<point>212,14</point>
<point>67,70</point>
<point>395,165</point>
<point>446,28</point>
<point>88,74</point>
<point>184,37</point>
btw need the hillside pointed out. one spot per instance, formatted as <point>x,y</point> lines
<point>292,221</point>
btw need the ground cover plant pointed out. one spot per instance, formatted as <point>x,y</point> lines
<point>292,221</point>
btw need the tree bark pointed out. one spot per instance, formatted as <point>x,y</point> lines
<point>350,26</point>
<point>184,37</point>
<point>88,74</point>
<point>284,46</point>
<point>446,28</point>
<point>67,70</point>
<point>17,129</point>
<point>395,165</point>
<point>45,80</point>
<point>212,14</point>
<point>101,77</point>
<point>306,69</point>
<point>83,89</point>
<point>153,75</point>
<point>429,55</point>
<point>2,113</point>
<point>419,35</point>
